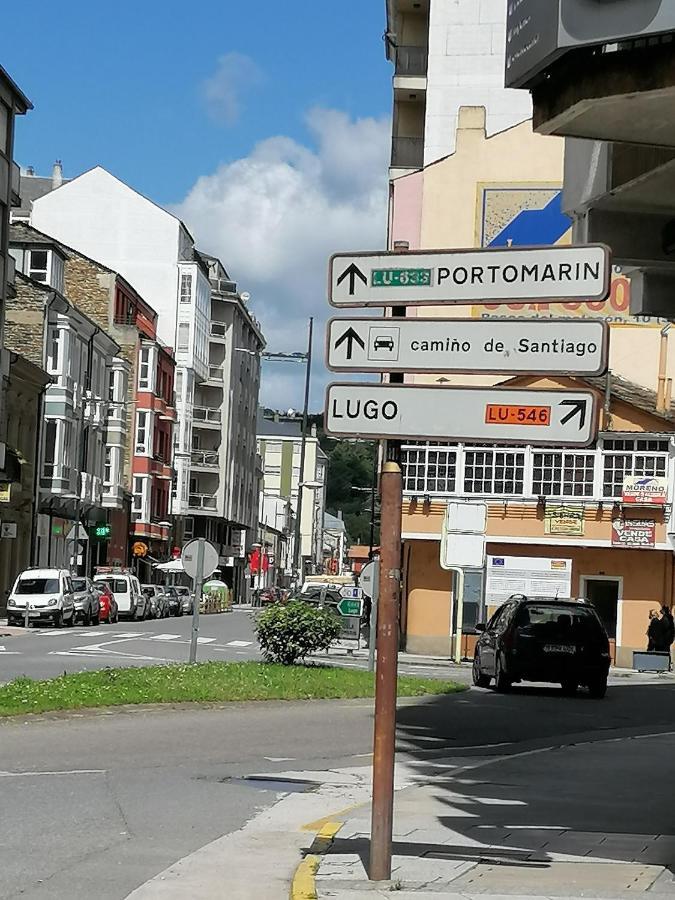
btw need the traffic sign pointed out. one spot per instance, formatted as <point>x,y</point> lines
<point>499,415</point>
<point>189,559</point>
<point>504,274</point>
<point>351,591</point>
<point>369,578</point>
<point>350,607</point>
<point>509,346</point>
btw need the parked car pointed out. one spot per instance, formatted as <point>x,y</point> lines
<point>159,605</point>
<point>108,605</point>
<point>186,597</point>
<point>87,605</point>
<point>175,601</point>
<point>556,641</point>
<point>48,594</point>
<point>131,604</point>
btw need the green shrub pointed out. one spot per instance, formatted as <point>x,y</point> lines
<point>288,632</point>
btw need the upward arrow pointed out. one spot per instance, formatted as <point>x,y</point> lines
<point>351,337</point>
<point>353,272</point>
<point>578,409</point>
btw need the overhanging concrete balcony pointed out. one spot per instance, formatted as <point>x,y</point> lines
<point>206,417</point>
<point>411,62</point>
<point>407,152</point>
<point>205,459</point>
<point>203,502</point>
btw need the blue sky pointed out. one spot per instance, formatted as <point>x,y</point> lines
<point>126,88</point>
<point>264,125</point>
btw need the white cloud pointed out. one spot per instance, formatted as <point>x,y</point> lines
<point>274,218</point>
<point>223,90</point>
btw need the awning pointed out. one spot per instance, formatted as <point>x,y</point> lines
<point>173,565</point>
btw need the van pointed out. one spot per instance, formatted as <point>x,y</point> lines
<point>48,595</point>
<point>131,602</point>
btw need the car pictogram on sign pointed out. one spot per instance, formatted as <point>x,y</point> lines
<point>384,343</point>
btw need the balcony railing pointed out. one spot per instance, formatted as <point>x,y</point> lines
<point>223,286</point>
<point>202,501</point>
<point>206,414</point>
<point>207,458</point>
<point>411,61</point>
<point>407,152</point>
<point>528,473</point>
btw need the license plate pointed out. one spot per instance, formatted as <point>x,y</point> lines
<point>34,614</point>
<point>559,648</point>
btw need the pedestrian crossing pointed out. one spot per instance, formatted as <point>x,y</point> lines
<point>142,635</point>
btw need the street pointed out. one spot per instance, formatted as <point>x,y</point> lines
<point>96,803</point>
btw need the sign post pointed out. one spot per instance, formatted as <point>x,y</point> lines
<point>200,559</point>
<point>369,582</point>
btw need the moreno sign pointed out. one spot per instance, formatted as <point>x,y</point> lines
<point>495,414</point>
<point>469,276</point>
<point>559,346</point>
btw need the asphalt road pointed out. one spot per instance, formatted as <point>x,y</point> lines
<point>94,804</point>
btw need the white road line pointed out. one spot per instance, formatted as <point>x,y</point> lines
<point>239,643</point>
<point>6,652</point>
<point>164,637</point>
<point>64,772</point>
<point>205,640</point>
<point>280,758</point>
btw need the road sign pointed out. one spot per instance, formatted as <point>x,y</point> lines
<point>77,533</point>
<point>352,592</point>
<point>349,606</point>
<point>189,558</point>
<point>499,415</point>
<point>508,346</point>
<point>463,535</point>
<point>369,577</point>
<point>504,274</point>
<point>350,628</point>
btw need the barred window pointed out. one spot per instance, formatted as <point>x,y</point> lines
<point>430,469</point>
<point>562,474</point>
<point>494,472</point>
<point>627,456</point>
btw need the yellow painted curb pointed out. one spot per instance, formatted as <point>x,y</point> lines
<point>303,886</point>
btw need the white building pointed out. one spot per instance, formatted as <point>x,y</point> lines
<point>446,54</point>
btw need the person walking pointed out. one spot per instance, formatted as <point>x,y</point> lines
<point>668,631</point>
<point>654,630</point>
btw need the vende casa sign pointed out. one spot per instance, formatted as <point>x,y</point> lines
<point>633,533</point>
<point>645,490</point>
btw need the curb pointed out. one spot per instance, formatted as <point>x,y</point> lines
<point>303,886</point>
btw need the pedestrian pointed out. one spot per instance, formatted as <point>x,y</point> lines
<point>668,629</point>
<point>654,630</point>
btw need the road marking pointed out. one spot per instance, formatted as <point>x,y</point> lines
<point>238,643</point>
<point>280,758</point>
<point>9,652</point>
<point>205,640</point>
<point>165,637</point>
<point>63,772</point>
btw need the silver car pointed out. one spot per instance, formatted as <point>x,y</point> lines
<point>87,603</point>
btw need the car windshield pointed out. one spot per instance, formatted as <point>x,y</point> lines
<point>170,592</point>
<point>183,591</point>
<point>557,620</point>
<point>79,584</point>
<point>37,586</point>
<point>116,585</point>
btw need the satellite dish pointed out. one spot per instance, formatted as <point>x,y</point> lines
<point>245,296</point>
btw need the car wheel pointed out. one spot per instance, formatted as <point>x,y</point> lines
<point>96,620</point>
<point>58,620</point>
<point>597,688</point>
<point>479,679</point>
<point>502,680</point>
<point>569,687</point>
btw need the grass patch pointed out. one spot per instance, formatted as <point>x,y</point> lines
<point>201,683</point>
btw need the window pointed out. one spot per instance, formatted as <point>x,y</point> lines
<point>107,466</point>
<point>563,474</point>
<point>183,336</point>
<point>142,432</point>
<point>429,469</point>
<point>144,369</point>
<point>494,471</point>
<point>137,505</point>
<point>624,457</point>
<point>38,268</point>
<point>189,527</point>
<point>185,287</point>
<point>57,273</point>
<point>5,128</point>
<point>50,448</point>
<point>53,348</point>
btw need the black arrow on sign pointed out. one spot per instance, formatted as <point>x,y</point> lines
<point>578,408</point>
<point>352,337</point>
<point>354,272</point>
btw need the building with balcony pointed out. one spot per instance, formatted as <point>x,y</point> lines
<point>445,55</point>
<point>280,446</point>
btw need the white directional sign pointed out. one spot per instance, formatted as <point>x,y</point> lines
<point>554,346</point>
<point>489,415</point>
<point>469,276</point>
<point>351,592</point>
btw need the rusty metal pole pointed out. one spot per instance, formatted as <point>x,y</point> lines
<point>385,679</point>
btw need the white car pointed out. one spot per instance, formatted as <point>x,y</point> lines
<point>131,602</point>
<point>48,594</point>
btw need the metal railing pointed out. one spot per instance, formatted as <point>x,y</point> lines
<point>407,152</point>
<point>202,501</point>
<point>206,415</point>
<point>411,61</point>
<point>223,286</point>
<point>209,458</point>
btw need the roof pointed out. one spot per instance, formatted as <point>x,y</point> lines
<point>333,523</point>
<point>31,188</point>
<point>21,103</point>
<point>281,428</point>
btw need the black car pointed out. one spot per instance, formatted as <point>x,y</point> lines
<point>174,600</point>
<point>557,641</point>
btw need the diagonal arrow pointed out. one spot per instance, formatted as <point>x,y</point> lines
<point>579,408</point>
<point>351,337</point>
<point>353,272</point>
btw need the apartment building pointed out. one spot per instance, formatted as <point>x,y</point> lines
<point>445,55</point>
<point>216,341</point>
<point>280,446</point>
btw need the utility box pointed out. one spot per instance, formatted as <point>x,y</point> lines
<point>651,661</point>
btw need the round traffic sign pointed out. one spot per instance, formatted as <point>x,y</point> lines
<point>368,578</point>
<point>189,558</point>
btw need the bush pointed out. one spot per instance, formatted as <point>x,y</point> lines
<point>288,632</point>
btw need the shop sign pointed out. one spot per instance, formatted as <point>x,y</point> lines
<point>633,533</point>
<point>567,519</point>
<point>645,490</point>
<point>6,492</point>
